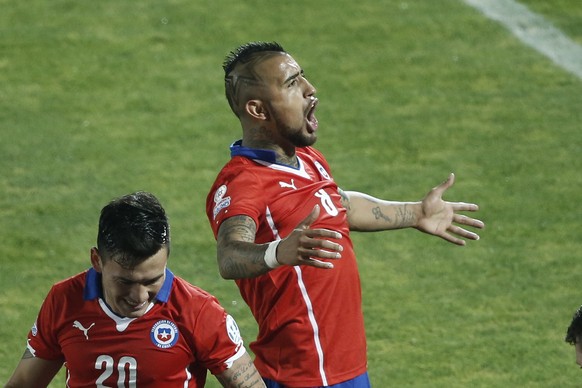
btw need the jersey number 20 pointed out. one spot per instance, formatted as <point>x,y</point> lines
<point>107,364</point>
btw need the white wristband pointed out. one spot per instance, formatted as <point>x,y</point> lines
<point>271,255</point>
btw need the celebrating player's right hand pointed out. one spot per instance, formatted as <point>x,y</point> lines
<point>306,246</point>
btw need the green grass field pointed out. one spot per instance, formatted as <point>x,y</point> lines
<point>99,99</point>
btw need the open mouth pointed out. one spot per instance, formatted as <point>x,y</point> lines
<point>311,119</point>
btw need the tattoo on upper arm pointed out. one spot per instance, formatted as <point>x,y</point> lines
<point>345,200</point>
<point>238,228</point>
<point>237,257</point>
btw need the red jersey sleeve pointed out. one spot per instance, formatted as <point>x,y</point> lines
<point>234,194</point>
<point>217,340</point>
<point>42,338</point>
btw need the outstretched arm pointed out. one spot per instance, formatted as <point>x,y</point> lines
<point>239,257</point>
<point>432,215</point>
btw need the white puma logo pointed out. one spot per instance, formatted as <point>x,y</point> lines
<point>288,185</point>
<point>30,348</point>
<point>78,325</point>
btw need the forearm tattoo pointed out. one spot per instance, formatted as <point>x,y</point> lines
<point>404,216</point>
<point>237,257</point>
<point>243,377</point>
<point>379,215</point>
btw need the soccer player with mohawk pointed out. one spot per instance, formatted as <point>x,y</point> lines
<point>283,227</point>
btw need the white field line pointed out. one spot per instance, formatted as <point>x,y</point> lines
<point>534,31</point>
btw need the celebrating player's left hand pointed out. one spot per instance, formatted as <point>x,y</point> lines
<point>439,217</point>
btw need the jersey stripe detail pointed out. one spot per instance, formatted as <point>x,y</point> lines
<point>271,223</point>
<point>188,377</point>
<point>313,322</point>
<point>307,300</point>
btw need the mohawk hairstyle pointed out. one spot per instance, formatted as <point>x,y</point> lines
<point>241,53</point>
<point>575,329</point>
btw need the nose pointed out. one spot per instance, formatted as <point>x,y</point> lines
<point>309,88</point>
<point>138,294</point>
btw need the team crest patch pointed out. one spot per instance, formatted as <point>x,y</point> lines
<point>164,334</point>
<point>233,331</point>
<point>219,201</point>
<point>321,170</point>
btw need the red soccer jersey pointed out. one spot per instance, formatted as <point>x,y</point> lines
<point>183,333</point>
<point>311,329</point>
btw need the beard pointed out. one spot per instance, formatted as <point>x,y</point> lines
<point>299,137</point>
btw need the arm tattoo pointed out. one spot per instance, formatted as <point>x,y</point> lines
<point>238,228</point>
<point>378,214</point>
<point>404,216</point>
<point>344,199</point>
<point>239,256</point>
<point>246,377</point>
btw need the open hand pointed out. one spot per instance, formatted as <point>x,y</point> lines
<point>441,218</point>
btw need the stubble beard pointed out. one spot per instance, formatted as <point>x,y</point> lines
<point>295,136</point>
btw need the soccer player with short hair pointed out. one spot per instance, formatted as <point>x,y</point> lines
<point>283,227</point>
<point>129,321</point>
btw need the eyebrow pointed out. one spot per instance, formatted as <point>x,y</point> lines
<point>146,281</point>
<point>293,76</point>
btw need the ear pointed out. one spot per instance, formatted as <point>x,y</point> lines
<point>96,262</point>
<point>256,109</point>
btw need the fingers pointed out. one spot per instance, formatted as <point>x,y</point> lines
<point>463,232</point>
<point>440,189</point>
<point>316,263</point>
<point>324,253</point>
<point>310,247</point>
<point>465,220</point>
<point>310,219</point>
<point>313,246</point>
<point>462,206</point>
<point>458,235</point>
<point>452,239</point>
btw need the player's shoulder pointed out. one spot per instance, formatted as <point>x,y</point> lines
<point>190,293</point>
<point>238,172</point>
<point>239,169</point>
<point>72,283</point>
<point>187,303</point>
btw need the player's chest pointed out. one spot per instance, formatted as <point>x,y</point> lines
<point>103,350</point>
<point>289,198</point>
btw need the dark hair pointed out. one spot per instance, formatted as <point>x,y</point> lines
<point>243,52</point>
<point>248,55</point>
<point>132,228</point>
<point>575,328</point>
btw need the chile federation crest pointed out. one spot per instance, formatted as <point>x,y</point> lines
<point>164,334</point>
